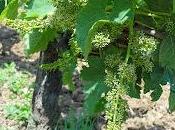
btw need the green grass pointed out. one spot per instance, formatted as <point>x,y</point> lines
<point>20,87</point>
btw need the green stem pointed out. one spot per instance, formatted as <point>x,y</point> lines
<point>101,54</point>
<point>145,25</point>
<point>131,31</point>
<point>148,14</point>
<point>115,112</point>
<point>157,13</point>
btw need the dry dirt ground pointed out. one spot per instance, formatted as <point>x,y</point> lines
<point>11,50</point>
<point>143,114</point>
<point>148,115</point>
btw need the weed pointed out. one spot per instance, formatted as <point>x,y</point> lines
<point>20,92</point>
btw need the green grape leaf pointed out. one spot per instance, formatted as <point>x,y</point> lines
<point>133,90</point>
<point>167,53</point>
<point>95,71</point>
<point>169,76</point>
<point>39,8</point>
<point>97,12</point>
<point>149,21</point>
<point>2,5</point>
<point>172,101</point>
<point>37,40</point>
<point>139,75</point>
<point>173,6</point>
<point>93,80</point>
<point>94,103</point>
<point>160,5</point>
<point>10,11</point>
<point>153,81</point>
<point>156,94</point>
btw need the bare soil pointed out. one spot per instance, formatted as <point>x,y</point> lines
<point>11,50</point>
<point>147,115</point>
<point>143,114</point>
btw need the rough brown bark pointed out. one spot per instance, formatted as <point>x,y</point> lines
<point>45,108</point>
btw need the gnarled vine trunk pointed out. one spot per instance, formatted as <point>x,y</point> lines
<point>45,108</point>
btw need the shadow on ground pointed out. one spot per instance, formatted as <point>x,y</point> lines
<point>11,50</point>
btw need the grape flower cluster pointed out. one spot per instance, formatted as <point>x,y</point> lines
<point>101,40</point>
<point>143,48</point>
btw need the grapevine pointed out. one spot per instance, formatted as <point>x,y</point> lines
<point>115,39</point>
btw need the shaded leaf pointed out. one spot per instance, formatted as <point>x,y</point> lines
<point>10,11</point>
<point>169,76</point>
<point>172,101</point>
<point>95,71</point>
<point>155,95</point>
<point>94,103</point>
<point>160,5</point>
<point>2,5</point>
<point>133,90</point>
<point>37,40</point>
<point>149,21</point>
<point>93,78</point>
<point>153,81</point>
<point>167,53</point>
<point>173,6</point>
